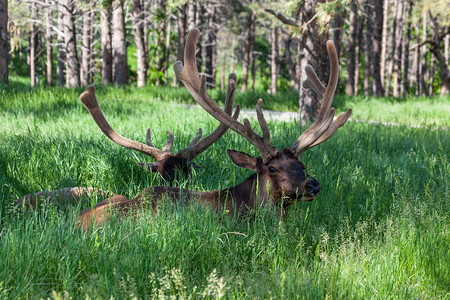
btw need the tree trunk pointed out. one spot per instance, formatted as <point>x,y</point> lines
<point>394,41</point>
<point>190,17</point>
<point>384,41</point>
<point>48,39</point>
<point>368,49</point>
<point>119,44</point>
<point>85,47</point>
<point>160,50</point>
<point>375,50</point>
<point>4,43</point>
<point>210,48</point>
<point>33,45</point>
<point>359,50</point>
<point>350,84</point>
<point>107,72</point>
<point>416,61</point>
<point>315,54</point>
<point>166,70</point>
<point>61,48</point>
<point>199,20</point>
<point>431,78</point>
<point>140,46</point>
<point>273,60</point>
<point>423,50</point>
<point>245,64</point>
<point>405,77</point>
<point>289,62</point>
<point>72,62</point>
<point>181,26</point>
<point>252,52</point>
<point>338,31</point>
<point>398,49</point>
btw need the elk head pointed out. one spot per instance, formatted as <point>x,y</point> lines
<point>167,163</point>
<point>281,176</point>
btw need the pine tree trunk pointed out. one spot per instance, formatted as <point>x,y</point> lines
<point>160,52</point>
<point>338,31</point>
<point>423,50</point>
<point>368,48</point>
<point>140,46</point>
<point>33,45</point>
<point>289,62</point>
<point>252,52</point>
<point>107,72</point>
<point>199,20</point>
<point>61,55</point>
<point>405,77</point>
<point>166,70</point>
<point>398,49</point>
<point>384,41</point>
<point>350,84</point>
<point>48,42</point>
<point>85,48</point>
<point>415,68</point>
<point>431,77</point>
<point>376,49</point>
<point>313,53</point>
<point>273,60</point>
<point>245,64</point>
<point>72,62</point>
<point>394,43</point>
<point>210,48</point>
<point>4,43</point>
<point>359,50</point>
<point>181,26</point>
<point>119,44</point>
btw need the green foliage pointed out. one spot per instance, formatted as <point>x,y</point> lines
<point>378,230</point>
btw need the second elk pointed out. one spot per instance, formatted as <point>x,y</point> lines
<point>279,178</point>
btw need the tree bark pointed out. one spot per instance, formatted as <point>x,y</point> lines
<point>350,84</point>
<point>181,26</point>
<point>416,61</point>
<point>4,42</point>
<point>384,41</point>
<point>315,54</point>
<point>48,42</point>
<point>61,48</point>
<point>161,46</point>
<point>246,62</point>
<point>252,52</point>
<point>376,48</point>
<point>210,69</point>
<point>119,44</point>
<point>359,51</point>
<point>33,45</point>
<point>140,46</point>
<point>394,41</point>
<point>107,72</point>
<point>405,78</point>
<point>398,50</point>
<point>273,60</point>
<point>368,49</point>
<point>85,48</point>
<point>72,62</point>
<point>423,50</point>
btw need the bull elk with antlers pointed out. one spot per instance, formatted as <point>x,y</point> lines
<point>279,178</point>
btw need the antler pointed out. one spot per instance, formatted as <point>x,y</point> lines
<point>324,127</point>
<point>196,86</point>
<point>195,147</point>
<point>90,101</point>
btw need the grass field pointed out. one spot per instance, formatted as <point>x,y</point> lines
<point>379,229</point>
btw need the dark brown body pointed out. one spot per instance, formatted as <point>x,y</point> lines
<point>282,187</point>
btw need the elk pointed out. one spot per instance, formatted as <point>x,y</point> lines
<point>167,164</point>
<point>279,178</point>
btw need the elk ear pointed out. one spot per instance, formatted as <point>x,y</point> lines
<point>150,166</point>
<point>242,159</point>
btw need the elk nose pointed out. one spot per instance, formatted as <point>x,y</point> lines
<point>313,187</point>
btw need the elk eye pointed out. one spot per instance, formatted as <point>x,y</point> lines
<point>302,165</point>
<point>272,170</point>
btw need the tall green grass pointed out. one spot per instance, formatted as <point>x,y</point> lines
<point>379,229</point>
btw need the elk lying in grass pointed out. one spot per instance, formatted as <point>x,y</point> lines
<point>279,178</point>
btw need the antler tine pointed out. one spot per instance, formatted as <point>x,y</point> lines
<point>323,128</point>
<point>190,79</point>
<point>90,101</point>
<point>313,81</point>
<point>169,143</point>
<point>196,147</point>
